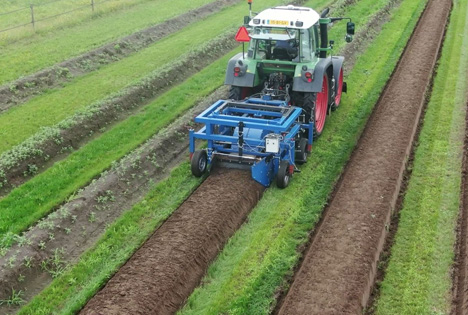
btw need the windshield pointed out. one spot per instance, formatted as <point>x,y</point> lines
<point>275,44</point>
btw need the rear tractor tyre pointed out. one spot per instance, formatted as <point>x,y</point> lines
<point>321,107</point>
<point>301,152</point>
<point>199,163</point>
<point>316,107</point>
<point>238,93</point>
<point>283,177</point>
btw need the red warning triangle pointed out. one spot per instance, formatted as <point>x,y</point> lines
<point>242,35</point>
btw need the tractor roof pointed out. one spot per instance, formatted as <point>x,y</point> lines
<point>286,16</point>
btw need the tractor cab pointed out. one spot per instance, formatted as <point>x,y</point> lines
<point>284,33</point>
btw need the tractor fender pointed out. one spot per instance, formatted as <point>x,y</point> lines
<point>337,65</point>
<point>245,78</point>
<point>301,85</point>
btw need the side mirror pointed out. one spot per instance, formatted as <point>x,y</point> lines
<point>350,27</point>
<point>324,13</point>
<point>246,20</point>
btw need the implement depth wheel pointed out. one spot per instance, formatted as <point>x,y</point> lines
<point>339,91</point>
<point>199,163</point>
<point>301,151</point>
<point>283,176</point>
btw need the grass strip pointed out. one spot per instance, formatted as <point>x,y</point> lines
<point>261,256</point>
<point>418,278</point>
<point>20,122</point>
<point>46,49</point>
<point>70,292</point>
<point>31,201</point>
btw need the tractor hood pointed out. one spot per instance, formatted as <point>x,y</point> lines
<point>286,16</point>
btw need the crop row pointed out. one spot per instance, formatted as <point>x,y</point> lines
<point>31,201</point>
<point>21,122</point>
<point>20,14</point>
<point>33,54</point>
<point>31,156</point>
<point>418,278</point>
<point>62,284</point>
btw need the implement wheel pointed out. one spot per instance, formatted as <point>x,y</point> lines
<point>339,91</point>
<point>283,176</point>
<point>301,151</point>
<point>199,163</point>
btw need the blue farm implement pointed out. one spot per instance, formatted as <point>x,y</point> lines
<point>265,135</point>
<point>288,60</point>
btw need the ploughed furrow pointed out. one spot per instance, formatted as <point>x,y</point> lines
<point>339,267</point>
<point>460,294</point>
<point>165,270</point>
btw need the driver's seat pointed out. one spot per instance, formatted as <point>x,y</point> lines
<point>281,53</point>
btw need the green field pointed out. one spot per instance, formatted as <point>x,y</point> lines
<point>51,15</point>
<point>27,56</point>
<point>259,260</point>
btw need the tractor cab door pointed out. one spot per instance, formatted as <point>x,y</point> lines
<point>309,44</point>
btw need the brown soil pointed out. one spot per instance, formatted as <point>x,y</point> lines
<point>20,91</point>
<point>385,255</point>
<point>45,153</point>
<point>460,277</point>
<point>339,268</point>
<point>73,232</point>
<point>165,270</point>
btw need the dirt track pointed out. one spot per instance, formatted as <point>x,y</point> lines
<point>338,271</point>
<point>165,270</point>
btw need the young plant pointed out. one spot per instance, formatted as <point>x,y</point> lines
<point>15,298</point>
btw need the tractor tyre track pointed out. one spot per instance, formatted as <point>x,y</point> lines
<point>339,267</point>
<point>179,252</point>
<point>23,89</point>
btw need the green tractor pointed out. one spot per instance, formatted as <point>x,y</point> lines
<point>287,59</point>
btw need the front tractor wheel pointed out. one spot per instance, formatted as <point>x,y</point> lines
<point>199,163</point>
<point>239,93</point>
<point>284,175</point>
<point>339,91</point>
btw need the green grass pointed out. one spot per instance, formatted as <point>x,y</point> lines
<point>418,278</point>
<point>31,201</point>
<point>21,122</point>
<point>69,292</point>
<point>46,49</point>
<point>21,14</point>
<point>257,260</point>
